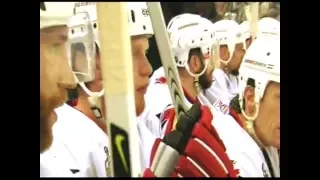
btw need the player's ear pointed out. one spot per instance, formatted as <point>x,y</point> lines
<point>224,52</point>
<point>249,100</point>
<point>195,63</point>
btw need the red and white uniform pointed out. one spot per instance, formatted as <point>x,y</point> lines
<point>247,158</point>
<point>159,89</point>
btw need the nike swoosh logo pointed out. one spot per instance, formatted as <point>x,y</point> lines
<point>119,138</point>
<point>74,171</point>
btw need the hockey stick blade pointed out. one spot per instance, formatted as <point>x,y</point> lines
<point>116,61</point>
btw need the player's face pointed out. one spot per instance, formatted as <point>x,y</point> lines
<point>96,84</point>
<point>141,70</point>
<point>80,58</point>
<point>55,77</point>
<point>205,80</point>
<point>268,120</point>
<point>236,59</point>
<point>248,42</point>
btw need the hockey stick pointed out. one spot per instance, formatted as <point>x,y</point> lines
<point>167,154</point>
<point>168,63</point>
<point>118,84</point>
<point>254,18</point>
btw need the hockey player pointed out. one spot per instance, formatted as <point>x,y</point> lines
<point>192,43</point>
<point>73,152</point>
<point>231,51</point>
<point>149,126</point>
<point>257,110</point>
<point>58,25</point>
<point>195,73</point>
<point>54,35</point>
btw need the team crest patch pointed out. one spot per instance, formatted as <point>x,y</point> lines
<point>161,80</point>
<point>220,106</point>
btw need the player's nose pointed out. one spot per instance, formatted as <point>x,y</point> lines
<point>145,68</point>
<point>67,78</point>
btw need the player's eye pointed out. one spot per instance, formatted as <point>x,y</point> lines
<point>57,47</point>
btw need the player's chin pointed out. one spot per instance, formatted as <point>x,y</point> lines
<point>46,139</point>
<point>277,143</point>
<point>45,128</point>
<point>277,139</point>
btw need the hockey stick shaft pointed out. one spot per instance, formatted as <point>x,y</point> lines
<point>117,70</point>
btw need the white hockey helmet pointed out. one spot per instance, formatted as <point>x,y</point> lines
<point>90,8</point>
<point>262,64</point>
<point>245,29</point>
<point>138,16</point>
<point>139,19</point>
<point>189,31</point>
<point>268,26</point>
<point>228,32</point>
<point>139,24</point>
<point>55,13</point>
<point>79,31</point>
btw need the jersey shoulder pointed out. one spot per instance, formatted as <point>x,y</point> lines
<point>158,95</point>
<point>84,140</point>
<point>70,118</point>
<point>241,148</point>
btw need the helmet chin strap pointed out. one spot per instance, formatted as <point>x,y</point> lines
<point>95,102</point>
<point>249,120</point>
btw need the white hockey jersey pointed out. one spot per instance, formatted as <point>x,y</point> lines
<point>149,129</point>
<point>79,147</point>
<point>241,148</point>
<point>223,89</point>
